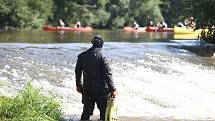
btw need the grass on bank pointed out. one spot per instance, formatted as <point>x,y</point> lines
<point>30,105</point>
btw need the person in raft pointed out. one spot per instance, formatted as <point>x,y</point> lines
<point>62,24</point>
<point>78,24</point>
<point>162,25</point>
<point>151,24</point>
<point>191,23</point>
<point>135,25</point>
<point>97,81</point>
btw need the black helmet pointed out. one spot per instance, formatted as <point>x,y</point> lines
<point>97,41</point>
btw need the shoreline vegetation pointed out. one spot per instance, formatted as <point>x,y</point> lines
<point>109,14</point>
<point>106,14</point>
<point>208,37</point>
<point>30,104</point>
<point>76,117</point>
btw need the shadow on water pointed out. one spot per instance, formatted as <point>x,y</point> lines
<point>80,37</point>
<point>197,48</point>
<point>204,51</point>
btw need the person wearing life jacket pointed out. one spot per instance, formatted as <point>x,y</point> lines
<point>135,25</point>
<point>97,81</point>
<point>162,25</point>
<point>61,23</point>
<point>183,24</point>
<point>78,24</point>
<point>180,24</point>
<point>151,24</point>
<point>191,23</point>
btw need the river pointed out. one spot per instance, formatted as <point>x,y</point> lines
<point>155,76</point>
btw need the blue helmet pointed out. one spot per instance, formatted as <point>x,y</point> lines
<point>97,41</point>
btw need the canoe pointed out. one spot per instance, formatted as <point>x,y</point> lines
<point>191,35</point>
<point>83,29</point>
<point>186,36</point>
<point>130,29</point>
<point>184,30</point>
<point>156,29</point>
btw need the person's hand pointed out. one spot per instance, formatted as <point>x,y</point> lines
<point>79,89</point>
<point>114,93</point>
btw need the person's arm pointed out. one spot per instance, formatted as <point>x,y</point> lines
<point>78,74</point>
<point>108,75</point>
<point>165,25</point>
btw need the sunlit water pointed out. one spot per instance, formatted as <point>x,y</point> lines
<point>153,79</point>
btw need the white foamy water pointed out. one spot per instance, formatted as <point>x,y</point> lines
<point>152,79</point>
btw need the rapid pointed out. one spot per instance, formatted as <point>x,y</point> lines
<point>153,79</point>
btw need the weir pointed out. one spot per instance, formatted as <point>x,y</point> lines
<point>153,79</point>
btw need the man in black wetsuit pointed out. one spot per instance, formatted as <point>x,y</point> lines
<point>97,79</point>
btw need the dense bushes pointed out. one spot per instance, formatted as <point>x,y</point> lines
<point>208,36</point>
<point>97,13</point>
<point>24,13</point>
<point>30,105</point>
<point>178,10</point>
<point>103,13</point>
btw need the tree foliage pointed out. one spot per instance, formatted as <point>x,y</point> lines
<point>202,11</point>
<point>103,13</point>
<point>178,10</point>
<point>24,13</point>
<point>97,13</point>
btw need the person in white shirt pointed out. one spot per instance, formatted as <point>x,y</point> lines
<point>78,24</point>
<point>62,24</point>
<point>135,25</point>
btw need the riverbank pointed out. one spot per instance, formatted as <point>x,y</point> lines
<point>76,117</point>
<point>30,103</point>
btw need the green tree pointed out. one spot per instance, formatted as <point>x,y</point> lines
<point>97,13</point>
<point>24,13</point>
<point>124,12</point>
<point>202,11</point>
<point>40,11</point>
<point>89,12</point>
<point>144,11</point>
<point>118,10</point>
